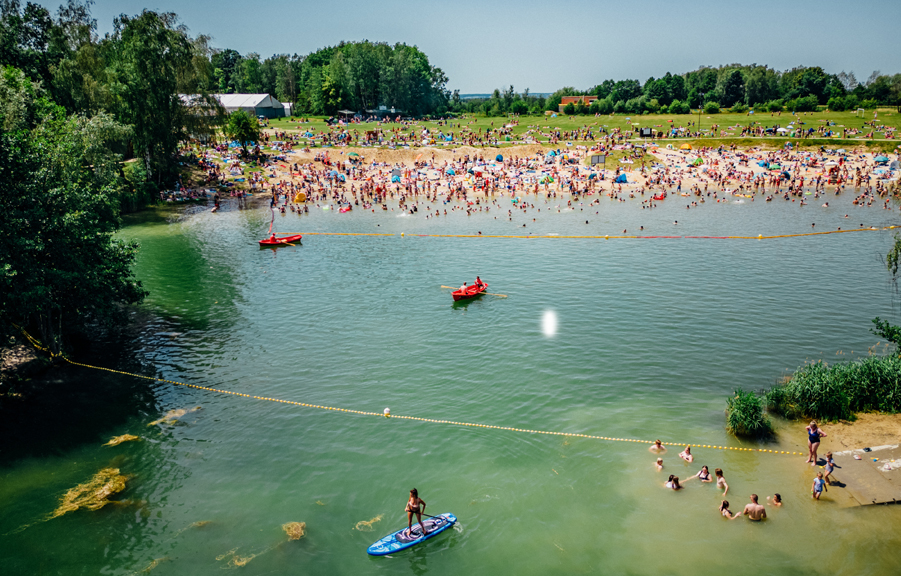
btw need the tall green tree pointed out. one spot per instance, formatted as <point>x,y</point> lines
<point>59,263</point>
<point>242,128</point>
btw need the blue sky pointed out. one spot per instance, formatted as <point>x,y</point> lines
<point>547,45</point>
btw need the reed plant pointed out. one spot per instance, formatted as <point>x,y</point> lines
<point>745,415</point>
<point>837,391</point>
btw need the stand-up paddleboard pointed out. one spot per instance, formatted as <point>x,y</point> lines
<point>400,540</point>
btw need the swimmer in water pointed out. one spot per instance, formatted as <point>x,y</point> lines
<point>673,483</point>
<point>659,464</point>
<point>721,481</point>
<point>725,512</point>
<point>703,475</point>
<point>776,500</point>
<point>657,447</point>
<point>687,455</point>
<point>754,511</point>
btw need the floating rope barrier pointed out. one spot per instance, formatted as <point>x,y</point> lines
<point>604,237</point>
<point>387,413</point>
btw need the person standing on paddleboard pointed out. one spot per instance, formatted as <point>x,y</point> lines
<point>415,505</point>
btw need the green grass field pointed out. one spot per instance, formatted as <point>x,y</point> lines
<point>888,117</point>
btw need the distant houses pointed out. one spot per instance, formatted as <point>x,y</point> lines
<point>586,100</point>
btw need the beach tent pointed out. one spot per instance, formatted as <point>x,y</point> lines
<point>451,172</point>
<point>395,179</point>
<point>499,158</point>
<point>354,155</point>
<point>881,159</point>
<point>621,179</point>
<point>895,165</point>
<point>685,147</point>
<point>698,162</point>
<point>762,163</point>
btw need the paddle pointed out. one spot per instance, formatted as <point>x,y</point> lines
<point>488,293</point>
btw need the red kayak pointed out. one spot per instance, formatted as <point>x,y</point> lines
<point>272,241</point>
<point>470,292</point>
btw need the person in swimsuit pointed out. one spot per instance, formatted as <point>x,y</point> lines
<point>724,510</point>
<point>686,454</point>
<point>818,486</point>
<point>813,442</point>
<point>776,501</point>
<point>830,466</point>
<point>673,483</point>
<point>703,475</point>
<point>415,505</point>
<point>657,447</point>
<point>659,464</point>
<point>721,481</point>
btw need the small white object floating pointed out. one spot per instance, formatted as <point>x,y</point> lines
<point>387,412</point>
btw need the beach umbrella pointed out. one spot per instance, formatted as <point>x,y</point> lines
<point>395,179</point>
<point>781,130</point>
<point>354,155</point>
<point>881,159</point>
<point>333,173</point>
<point>685,147</point>
<point>451,172</point>
<point>499,158</point>
<point>341,177</point>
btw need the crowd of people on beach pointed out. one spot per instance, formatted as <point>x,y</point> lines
<point>754,510</point>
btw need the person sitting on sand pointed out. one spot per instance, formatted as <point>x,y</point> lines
<point>415,505</point>
<point>686,454</point>
<point>724,510</point>
<point>721,481</point>
<point>657,447</point>
<point>673,483</point>
<point>659,464</point>
<point>776,500</point>
<point>754,511</point>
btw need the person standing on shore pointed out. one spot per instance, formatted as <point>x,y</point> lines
<point>813,441</point>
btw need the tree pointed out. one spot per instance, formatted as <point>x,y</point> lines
<point>60,266</point>
<point>153,61</point>
<point>242,128</point>
<point>733,88</point>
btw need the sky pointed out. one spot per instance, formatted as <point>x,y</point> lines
<point>483,45</point>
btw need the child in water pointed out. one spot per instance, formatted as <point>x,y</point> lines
<point>818,486</point>
<point>724,510</point>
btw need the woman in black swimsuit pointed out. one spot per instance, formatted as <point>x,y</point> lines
<point>415,505</point>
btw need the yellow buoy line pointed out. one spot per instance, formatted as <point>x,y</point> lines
<point>387,412</point>
<point>604,237</point>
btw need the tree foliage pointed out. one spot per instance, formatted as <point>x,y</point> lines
<point>242,128</point>
<point>59,263</point>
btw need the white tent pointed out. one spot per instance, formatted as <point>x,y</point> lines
<point>253,104</point>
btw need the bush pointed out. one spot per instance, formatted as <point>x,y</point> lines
<point>519,107</point>
<point>678,107</point>
<point>836,104</point>
<point>745,416</point>
<point>869,104</point>
<point>569,109</point>
<point>739,108</point>
<point>712,108</point>
<point>603,106</point>
<point>619,107</point>
<point>805,104</point>
<point>835,392</point>
<point>774,106</point>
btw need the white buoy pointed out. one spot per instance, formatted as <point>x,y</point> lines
<point>387,412</point>
<point>549,323</point>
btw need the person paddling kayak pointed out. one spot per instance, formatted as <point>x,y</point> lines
<point>415,505</point>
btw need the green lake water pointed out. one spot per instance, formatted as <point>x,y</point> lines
<point>652,335</point>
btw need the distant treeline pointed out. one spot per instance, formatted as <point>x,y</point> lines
<point>735,87</point>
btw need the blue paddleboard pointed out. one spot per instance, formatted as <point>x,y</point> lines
<point>401,541</point>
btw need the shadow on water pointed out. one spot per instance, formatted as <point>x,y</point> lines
<point>66,406</point>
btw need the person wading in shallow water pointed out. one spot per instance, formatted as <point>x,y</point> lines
<point>415,505</point>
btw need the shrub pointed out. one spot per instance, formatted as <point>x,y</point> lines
<point>712,108</point>
<point>745,416</point>
<point>569,109</point>
<point>869,104</point>
<point>835,392</point>
<point>678,107</point>
<point>603,106</point>
<point>519,107</point>
<point>619,107</point>
<point>836,104</point>
<point>739,108</point>
<point>774,106</point>
<point>805,104</point>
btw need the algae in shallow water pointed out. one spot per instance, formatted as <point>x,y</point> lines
<point>366,525</point>
<point>116,440</point>
<point>172,416</point>
<point>295,530</point>
<point>93,494</point>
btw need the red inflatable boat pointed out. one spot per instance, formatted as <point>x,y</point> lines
<point>272,241</point>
